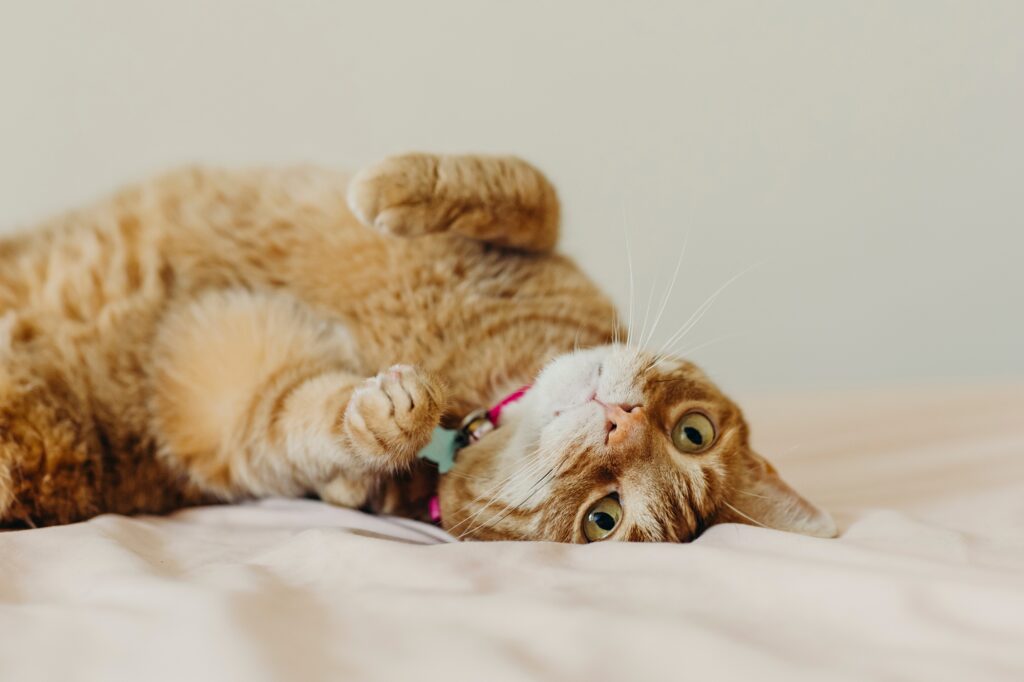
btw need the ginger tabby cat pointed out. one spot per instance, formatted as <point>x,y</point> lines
<point>219,335</point>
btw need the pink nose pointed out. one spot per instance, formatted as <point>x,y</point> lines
<point>621,422</point>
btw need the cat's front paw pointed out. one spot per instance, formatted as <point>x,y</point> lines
<point>392,416</point>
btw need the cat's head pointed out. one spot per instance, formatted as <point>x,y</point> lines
<point>612,443</point>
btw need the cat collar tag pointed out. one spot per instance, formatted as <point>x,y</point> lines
<point>441,449</point>
<point>446,442</point>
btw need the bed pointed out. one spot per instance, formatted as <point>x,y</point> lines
<point>926,581</point>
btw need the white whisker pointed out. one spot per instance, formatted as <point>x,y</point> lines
<point>509,508</point>
<point>750,494</point>
<point>576,339</point>
<point>505,508</point>
<point>532,464</point>
<point>748,518</point>
<point>494,494</point>
<point>668,295</point>
<point>629,263</point>
<point>647,312</point>
<point>692,349</point>
<point>528,462</point>
<point>702,310</point>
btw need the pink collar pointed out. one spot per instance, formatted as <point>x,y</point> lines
<point>474,427</point>
<point>494,414</point>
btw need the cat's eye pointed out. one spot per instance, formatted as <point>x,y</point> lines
<point>602,518</point>
<point>693,433</point>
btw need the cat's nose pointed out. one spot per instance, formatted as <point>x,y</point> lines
<point>621,422</point>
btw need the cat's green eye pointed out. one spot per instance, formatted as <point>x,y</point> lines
<point>602,519</point>
<point>693,433</point>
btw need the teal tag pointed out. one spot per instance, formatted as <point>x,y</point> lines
<point>441,449</point>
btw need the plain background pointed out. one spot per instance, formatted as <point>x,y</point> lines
<point>862,162</point>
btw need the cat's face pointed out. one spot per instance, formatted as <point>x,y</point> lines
<point>609,444</point>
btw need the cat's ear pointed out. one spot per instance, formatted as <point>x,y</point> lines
<point>762,498</point>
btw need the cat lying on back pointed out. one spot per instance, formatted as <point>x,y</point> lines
<point>217,335</point>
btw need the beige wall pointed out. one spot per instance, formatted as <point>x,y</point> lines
<point>867,155</point>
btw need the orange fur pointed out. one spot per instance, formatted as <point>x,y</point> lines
<point>217,335</point>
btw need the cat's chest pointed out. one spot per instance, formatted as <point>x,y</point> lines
<point>485,331</point>
<point>483,319</point>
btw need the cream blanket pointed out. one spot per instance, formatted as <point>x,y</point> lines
<point>926,582</point>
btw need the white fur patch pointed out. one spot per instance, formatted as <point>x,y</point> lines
<point>559,415</point>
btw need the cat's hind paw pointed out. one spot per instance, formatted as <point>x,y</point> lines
<point>499,200</point>
<point>399,196</point>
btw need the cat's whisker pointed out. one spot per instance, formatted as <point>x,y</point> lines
<point>469,521</point>
<point>668,295</point>
<point>541,459</point>
<point>509,509</point>
<point>576,339</point>
<point>746,516</point>
<point>692,349</point>
<point>551,473</point>
<point>647,310</point>
<point>533,463</point>
<point>750,494</point>
<point>702,310</point>
<point>496,488</point>
<point>629,264</point>
<point>494,492</point>
<point>690,323</point>
<point>494,520</point>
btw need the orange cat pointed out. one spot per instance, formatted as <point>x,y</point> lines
<point>216,335</point>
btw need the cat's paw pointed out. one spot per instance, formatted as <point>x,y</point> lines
<point>344,491</point>
<point>392,416</point>
<point>399,196</point>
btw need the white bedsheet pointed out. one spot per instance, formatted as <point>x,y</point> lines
<point>926,582</point>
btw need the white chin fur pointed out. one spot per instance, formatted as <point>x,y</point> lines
<point>611,373</point>
<point>559,415</point>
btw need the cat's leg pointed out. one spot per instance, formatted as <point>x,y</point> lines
<point>68,450</point>
<point>47,453</point>
<point>255,395</point>
<point>497,199</point>
<point>49,460</point>
<point>11,389</point>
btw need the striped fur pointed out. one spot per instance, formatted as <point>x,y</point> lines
<point>219,335</point>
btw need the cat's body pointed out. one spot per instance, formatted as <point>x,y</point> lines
<point>215,335</point>
<point>101,306</point>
